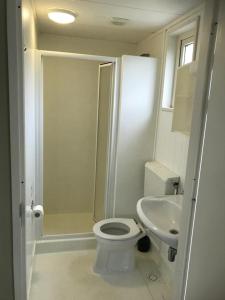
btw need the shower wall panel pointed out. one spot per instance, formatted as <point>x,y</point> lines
<point>70,130</point>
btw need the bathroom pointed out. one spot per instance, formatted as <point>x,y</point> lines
<point>108,110</point>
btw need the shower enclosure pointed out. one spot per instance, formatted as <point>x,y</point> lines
<point>76,116</point>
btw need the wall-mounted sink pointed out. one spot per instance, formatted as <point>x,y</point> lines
<point>161,215</point>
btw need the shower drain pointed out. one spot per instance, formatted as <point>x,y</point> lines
<point>152,276</point>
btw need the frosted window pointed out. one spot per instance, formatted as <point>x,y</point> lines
<point>187,54</point>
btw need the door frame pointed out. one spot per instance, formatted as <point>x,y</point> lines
<point>15,63</point>
<point>16,101</point>
<point>207,40</point>
<point>112,142</point>
<point>205,278</point>
<point>108,205</point>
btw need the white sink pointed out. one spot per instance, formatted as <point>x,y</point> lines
<point>161,215</point>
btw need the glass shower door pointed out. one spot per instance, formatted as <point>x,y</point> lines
<point>104,103</point>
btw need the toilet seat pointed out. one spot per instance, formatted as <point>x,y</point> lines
<point>116,229</point>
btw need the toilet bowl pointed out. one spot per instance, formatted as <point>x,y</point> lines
<point>116,239</point>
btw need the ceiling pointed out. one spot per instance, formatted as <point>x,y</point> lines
<point>94,17</point>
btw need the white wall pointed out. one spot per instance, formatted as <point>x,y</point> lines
<point>171,148</point>
<point>85,46</point>
<point>135,130</point>
<point>30,43</point>
<point>70,107</point>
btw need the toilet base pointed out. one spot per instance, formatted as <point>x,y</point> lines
<point>114,259</point>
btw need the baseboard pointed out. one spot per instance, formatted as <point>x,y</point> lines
<point>50,244</point>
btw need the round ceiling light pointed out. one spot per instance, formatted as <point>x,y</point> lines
<point>61,16</point>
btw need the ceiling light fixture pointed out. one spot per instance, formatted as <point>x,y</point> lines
<point>61,16</point>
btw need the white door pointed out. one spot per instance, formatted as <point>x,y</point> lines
<point>28,119</point>
<point>206,273</point>
<point>22,131</point>
<point>29,158</point>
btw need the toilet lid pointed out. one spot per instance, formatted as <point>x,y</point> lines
<point>116,229</point>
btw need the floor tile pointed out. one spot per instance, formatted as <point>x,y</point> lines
<point>69,276</point>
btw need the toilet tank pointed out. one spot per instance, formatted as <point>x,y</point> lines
<point>159,180</point>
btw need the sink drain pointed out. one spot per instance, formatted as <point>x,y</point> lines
<point>174,231</point>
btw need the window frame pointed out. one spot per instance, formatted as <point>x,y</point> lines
<point>182,40</point>
<point>183,44</point>
<point>172,36</point>
<point>189,37</point>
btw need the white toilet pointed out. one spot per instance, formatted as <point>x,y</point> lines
<point>117,237</point>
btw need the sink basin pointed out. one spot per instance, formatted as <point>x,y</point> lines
<point>161,215</point>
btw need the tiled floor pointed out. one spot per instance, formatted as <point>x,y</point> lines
<point>68,223</point>
<point>69,276</point>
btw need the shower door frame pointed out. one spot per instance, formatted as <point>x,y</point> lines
<point>108,207</point>
<point>112,140</point>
